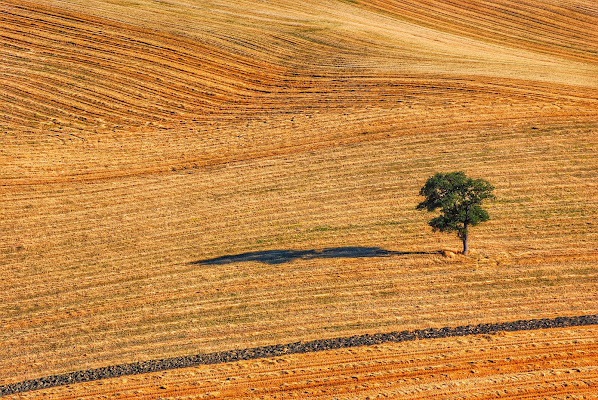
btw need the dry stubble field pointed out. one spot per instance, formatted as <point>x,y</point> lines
<point>139,140</point>
<point>547,364</point>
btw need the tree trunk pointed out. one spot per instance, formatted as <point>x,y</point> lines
<point>465,239</point>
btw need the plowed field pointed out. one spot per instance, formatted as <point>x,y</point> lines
<point>182,176</point>
<point>559,363</point>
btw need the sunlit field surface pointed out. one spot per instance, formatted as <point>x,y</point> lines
<point>524,365</point>
<point>182,177</point>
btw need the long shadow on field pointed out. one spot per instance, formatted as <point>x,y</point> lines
<point>283,256</point>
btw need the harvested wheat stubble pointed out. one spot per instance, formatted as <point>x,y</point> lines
<point>293,348</point>
<point>553,363</point>
<point>140,139</point>
<point>108,274</point>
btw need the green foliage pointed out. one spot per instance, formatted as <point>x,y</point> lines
<point>459,199</point>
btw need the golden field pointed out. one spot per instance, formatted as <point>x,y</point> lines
<point>524,365</point>
<point>141,139</point>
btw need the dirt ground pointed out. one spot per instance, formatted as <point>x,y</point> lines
<point>553,363</point>
<point>180,179</point>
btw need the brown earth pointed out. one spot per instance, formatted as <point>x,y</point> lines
<point>551,364</point>
<point>140,139</point>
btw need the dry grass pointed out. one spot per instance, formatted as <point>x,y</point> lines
<point>138,138</point>
<point>556,363</point>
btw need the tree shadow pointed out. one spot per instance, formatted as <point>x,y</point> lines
<point>283,256</point>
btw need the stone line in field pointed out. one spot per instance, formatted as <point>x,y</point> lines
<point>42,318</point>
<point>195,137</point>
<point>292,348</point>
<point>514,365</point>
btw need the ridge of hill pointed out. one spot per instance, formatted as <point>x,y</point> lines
<point>78,74</point>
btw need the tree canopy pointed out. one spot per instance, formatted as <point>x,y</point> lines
<point>459,199</point>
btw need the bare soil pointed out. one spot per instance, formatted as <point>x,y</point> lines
<point>554,363</point>
<point>141,142</point>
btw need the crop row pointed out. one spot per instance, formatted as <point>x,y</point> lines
<point>292,348</point>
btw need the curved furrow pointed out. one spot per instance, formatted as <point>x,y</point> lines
<point>141,142</point>
<point>162,69</point>
<point>379,367</point>
<point>491,360</point>
<point>548,28</point>
<point>172,62</point>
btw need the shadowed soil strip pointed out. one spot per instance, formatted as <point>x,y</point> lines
<point>291,348</point>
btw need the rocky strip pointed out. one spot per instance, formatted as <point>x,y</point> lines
<point>291,348</point>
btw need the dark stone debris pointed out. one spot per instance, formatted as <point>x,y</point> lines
<point>291,348</point>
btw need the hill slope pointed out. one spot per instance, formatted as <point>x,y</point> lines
<point>511,366</point>
<point>206,72</point>
<point>140,140</point>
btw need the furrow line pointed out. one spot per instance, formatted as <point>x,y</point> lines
<point>292,348</point>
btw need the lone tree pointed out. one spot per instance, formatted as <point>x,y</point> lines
<point>460,201</point>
